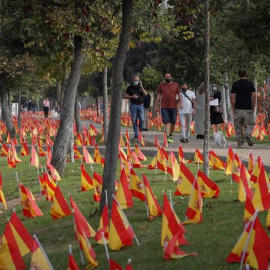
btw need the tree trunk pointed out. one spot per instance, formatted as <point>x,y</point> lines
<point>154,114</point>
<point>19,108</point>
<point>77,116</point>
<point>71,145</point>
<point>116,100</point>
<point>228,100</point>
<point>6,113</point>
<point>97,108</point>
<point>207,93</point>
<point>63,86</point>
<point>256,100</point>
<point>105,104</point>
<point>268,99</point>
<point>58,92</point>
<point>9,101</point>
<point>224,106</point>
<point>67,110</point>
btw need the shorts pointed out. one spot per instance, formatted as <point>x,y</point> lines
<point>169,115</point>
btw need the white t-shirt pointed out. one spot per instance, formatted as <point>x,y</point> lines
<point>187,105</point>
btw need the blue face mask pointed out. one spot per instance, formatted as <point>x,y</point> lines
<point>214,88</point>
<point>136,83</point>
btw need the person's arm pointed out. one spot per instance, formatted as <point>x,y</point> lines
<point>180,104</point>
<point>253,96</point>
<point>143,90</point>
<point>194,105</point>
<point>129,96</point>
<point>233,101</point>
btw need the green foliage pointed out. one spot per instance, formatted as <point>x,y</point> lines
<point>151,78</point>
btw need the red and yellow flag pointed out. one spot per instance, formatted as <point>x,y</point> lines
<point>39,259</point>
<point>54,173</point>
<point>208,188</point>
<point>77,154</point>
<point>59,208</point>
<point>2,197</point>
<point>15,243</point>
<point>236,168</point>
<point>30,208</point>
<point>250,163</point>
<point>229,162</point>
<point>261,198</point>
<point>139,153</point>
<point>172,166</point>
<point>34,161</point>
<point>24,150</point>
<point>87,157</point>
<point>103,226</point>
<point>86,181</point>
<point>154,209</point>
<point>123,194</point>
<point>72,265</point>
<point>120,233</point>
<point>198,157</point>
<point>181,157</point>
<point>194,211</point>
<point>217,163</point>
<point>185,181</point>
<point>4,150</point>
<point>171,224</point>
<point>255,242</point>
<point>136,186</point>
<point>256,170</point>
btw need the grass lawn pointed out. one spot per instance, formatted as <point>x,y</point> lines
<point>213,239</point>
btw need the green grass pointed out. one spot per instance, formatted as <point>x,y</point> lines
<point>213,239</point>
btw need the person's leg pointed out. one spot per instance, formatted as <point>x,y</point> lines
<point>188,121</point>
<point>133,111</point>
<point>248,126</point>
<point>238,124</point>
<point>140,115</point>
<point>182,119</point>
<point>173,117</point>
<point>166,120</point>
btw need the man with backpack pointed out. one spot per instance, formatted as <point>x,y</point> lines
<point>186,112</point>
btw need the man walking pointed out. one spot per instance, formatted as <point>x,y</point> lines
<point>188,109</point>
<point>135,92</point>
<point>168,94</point>
<point>243,98</point>
<point>146,104</point>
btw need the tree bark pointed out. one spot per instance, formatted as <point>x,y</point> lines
<point>58,92</point>
<point>256,100</point>
<point>63,86</point>
<point>19,108</point>
<point>228,100</point>
<point>67,110</point>
<point>6,113</point>
<point>116,100</point>
<point>224,106</point>
<point>77,116</point>
<point>268,100</point>
<point>105,104</point>
<point>207,93</point>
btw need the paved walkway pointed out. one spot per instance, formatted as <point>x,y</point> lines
<point>263,150</point>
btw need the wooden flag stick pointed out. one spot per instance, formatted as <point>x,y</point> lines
<point>232,164</point>
<point>126,219</point>
<point>70,249</point>
<point>170,195</point>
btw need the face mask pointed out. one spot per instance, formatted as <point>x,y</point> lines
<point>168,80</point>
<point>136,83</point>
<point>214,88</point>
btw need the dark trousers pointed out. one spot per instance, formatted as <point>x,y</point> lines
<point>46,111</point>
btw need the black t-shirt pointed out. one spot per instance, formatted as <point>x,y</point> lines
<point>131,90</point>
<point>243,90</point>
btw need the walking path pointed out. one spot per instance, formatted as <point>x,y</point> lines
<point>189,148</point>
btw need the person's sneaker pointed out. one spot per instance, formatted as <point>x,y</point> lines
<point>135,138</point>
<point>249,141</point>
<point>240,145</point>
<point>145,129</point>
<point>187,141</point>
<point>183,140</point>
<point>169,139</point>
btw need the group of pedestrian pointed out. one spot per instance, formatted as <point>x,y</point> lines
<point>173,99</point>
<point>31,105</point>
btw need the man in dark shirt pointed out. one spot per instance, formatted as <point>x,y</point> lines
<point>243,99</point>
<point>135,92</point>
<point>146,104</point>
